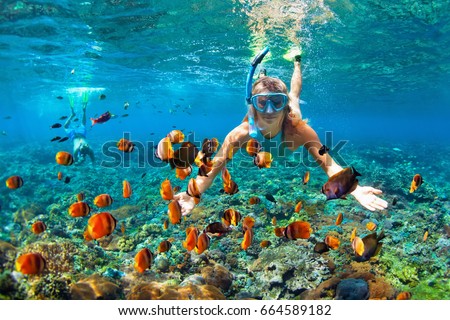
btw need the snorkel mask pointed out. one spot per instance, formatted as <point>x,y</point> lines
<point>269,102</point>
<point>248,93</point>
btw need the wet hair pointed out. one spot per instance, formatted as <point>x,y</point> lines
<point>269,84</point>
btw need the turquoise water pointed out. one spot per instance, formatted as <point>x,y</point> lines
<point>375,75</point>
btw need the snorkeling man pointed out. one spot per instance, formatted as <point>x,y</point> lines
<point>273,112</point>
<point>77,134</point>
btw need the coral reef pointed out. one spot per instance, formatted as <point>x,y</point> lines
<point>217,276</point>
<point>95,287</point>
<point>7,256</point>
<point>159,291</point>
<point>59,257</point>
<point>10,288</point>
<point>51,287</point>
<point>352,289</point>
<point>287,270</point>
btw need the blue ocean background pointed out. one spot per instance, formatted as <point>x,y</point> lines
<point>376,74</point>
<point>374,71</point>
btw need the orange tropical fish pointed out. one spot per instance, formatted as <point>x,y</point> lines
<point>353,235</point>
<point>183,173</point>
<point>64,158</point>
<point>164,151</point>
<point>200,158</point>
<point>298,207</point>
<point>125,145</point>
<point>248,223</point>
<point>265,243</point>
<point>306,177</point>
<point>80,196</point>
<point>298,230</point>
<point>126,189</point>
<point>209,146</point>
<point>217,229</point>
<point>166,224</point>
<point>254,200</point>
<point>191,238</point>
<point>231,188</point>
<point>206,163</point>
<point>253,147</point>
<point>226,177</point>
<point>60,175</point>
<point>38,227</point>
<point>358,246</point>
<point>205,168</point>
<point>174,212</point>
<point>372,246</point>
<point>231,217</point>
<point>193,191</point>
<point>230,152</point>
<point>274,221</point>
<point>143,260</point>
<point>332,242</point>
<point>341,183</point>
<point>416,183</point>
<point>79,209</point>
<point>425,236</point>
<point>122,228</point>
<point>263,159</point>
<point>202,243</point>
<point>248,238</point>
<point>164,246</point>
<point>100,225</point>
<point>371,226</point>
<point>176,136</point>
<point>14,182</point>
<point>30,263</point>
<point>279,232</point>
<point>103,200</point>
<point>166,190</point>
<point>339,219</point>
<point>184,156</point>
<point>405,295</point>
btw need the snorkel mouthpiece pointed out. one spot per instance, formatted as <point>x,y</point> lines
<point>251,117</point>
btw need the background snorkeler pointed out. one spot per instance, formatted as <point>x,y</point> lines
<point>77,133</point>
<point>273,110</point>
